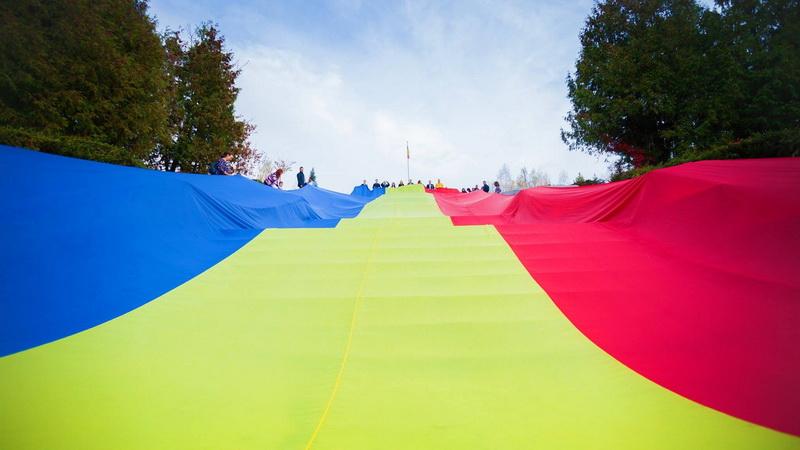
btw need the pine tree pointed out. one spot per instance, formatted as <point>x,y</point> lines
<point>312,178</point>
<point>90,69</point>
<point>202,120</point>
<point>764,41</point>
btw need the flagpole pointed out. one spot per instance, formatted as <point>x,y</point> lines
<point>408,162</point>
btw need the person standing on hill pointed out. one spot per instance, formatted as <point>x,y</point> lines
<point>429,185</point>
<point>375,185</point>
<point>301,178</point>
<point>223,165</point>
<point>439,184</point>
<point>485,187</point>
<point>497,189</point>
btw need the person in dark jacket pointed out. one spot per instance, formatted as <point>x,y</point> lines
<point>485,187</point>
<point>497,189</point>
<point>301,178</point>
<point>375,185</point>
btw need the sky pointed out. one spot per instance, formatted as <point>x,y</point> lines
<point>341,85</point>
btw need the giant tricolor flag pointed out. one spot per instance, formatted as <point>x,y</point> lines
<point>147,310</point>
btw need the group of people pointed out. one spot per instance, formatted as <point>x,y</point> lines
<point>485,188</point>
<point>223,166</point>
<point>274,179</point>
<point>385,184</point>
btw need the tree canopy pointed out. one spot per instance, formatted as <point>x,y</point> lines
<point>94,79</point>
<point>202,92</point>
<point>660,79</point>
<point>83,68</point>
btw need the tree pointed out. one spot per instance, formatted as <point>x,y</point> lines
<point>667,79</point>
<point>167,149</point>
<point>763,37</point>
<point>529,178</point>
<point>81,68</point>
<point>539,178</point>
<point>581,181</point>
<point>202,121</point>
<point>563,178</point>
<point>246,157</point>
<point>504,178</point>
<point>523,179</point>
<point>641,85</point>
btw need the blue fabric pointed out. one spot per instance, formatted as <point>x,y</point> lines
<point>363,191</point>
<point>83,242</point>
<point>330,204</point>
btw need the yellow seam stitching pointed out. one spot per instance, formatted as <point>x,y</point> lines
<point>345,356</point>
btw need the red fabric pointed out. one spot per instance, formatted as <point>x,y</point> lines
<point>689,275</point>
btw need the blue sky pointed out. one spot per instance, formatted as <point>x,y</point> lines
<point>341,85</point>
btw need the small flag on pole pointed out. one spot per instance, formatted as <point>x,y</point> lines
<point>408,163</point>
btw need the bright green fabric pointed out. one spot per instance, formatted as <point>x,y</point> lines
<point>394,330</point>
<point>406,189</point>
